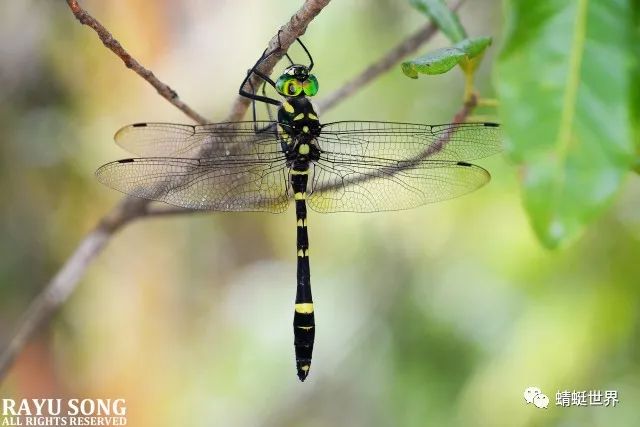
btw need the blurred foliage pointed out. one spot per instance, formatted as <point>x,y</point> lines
<point>569,124</point>
<point>565,85</point>
<point>441,315</point>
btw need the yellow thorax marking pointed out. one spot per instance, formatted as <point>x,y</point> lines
<point>305,129</point>
<point>303,149</point>
<point>288,107</point>
<point>312,116</point>
<point>300,196</point>
<point>299,116</point>
<point>304,308</point>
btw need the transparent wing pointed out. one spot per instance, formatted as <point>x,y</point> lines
<point>194,141</point>
<point>229,184</point>
<point>404,141</point>
<point>364,166</point>
<point>378,166</point>
<point>390,185</point>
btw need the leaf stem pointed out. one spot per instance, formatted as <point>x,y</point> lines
<point>468,84</point>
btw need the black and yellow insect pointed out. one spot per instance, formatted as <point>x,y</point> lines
<point>347,166</point>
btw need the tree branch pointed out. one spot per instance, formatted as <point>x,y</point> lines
<point>57,291</point>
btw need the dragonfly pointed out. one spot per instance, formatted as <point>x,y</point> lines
<point>263,165</point>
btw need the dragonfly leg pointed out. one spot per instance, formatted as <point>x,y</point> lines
<point>310,66</point>
<point>254,70</point>
<point>269,111</point>
<point>270,126</point>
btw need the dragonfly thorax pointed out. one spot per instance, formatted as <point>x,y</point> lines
<point>298,119</point>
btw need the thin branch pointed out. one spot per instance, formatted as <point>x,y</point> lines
<point>384,64</point>
<point>107,39</point>
<point>57,291</point>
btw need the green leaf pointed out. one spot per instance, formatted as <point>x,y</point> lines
<point>436,62</point>
<point>443,17</point>
<point>475,46</point>
<point>564,82</point>
<point>467,53</point>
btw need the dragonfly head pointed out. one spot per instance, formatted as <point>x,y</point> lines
<point>295,81</point>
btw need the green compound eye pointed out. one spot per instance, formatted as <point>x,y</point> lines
<point>310,85</point>
<point>288,86</point>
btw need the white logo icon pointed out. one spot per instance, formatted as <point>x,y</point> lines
<point>530,393</point>
<point>536,396</point>
<point>541,401</point>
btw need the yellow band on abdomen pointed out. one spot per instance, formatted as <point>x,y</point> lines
<point>305,308</point>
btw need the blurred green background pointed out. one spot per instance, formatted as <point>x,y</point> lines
<point>437,316</point>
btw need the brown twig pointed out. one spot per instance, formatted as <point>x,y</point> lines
<point>113,45</point>
<point>57,291</point>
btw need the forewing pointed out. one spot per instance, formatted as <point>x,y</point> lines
<point>390,185</point>
<point>194,141</point>
<point>243,184</point>
<point>405,141</point>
